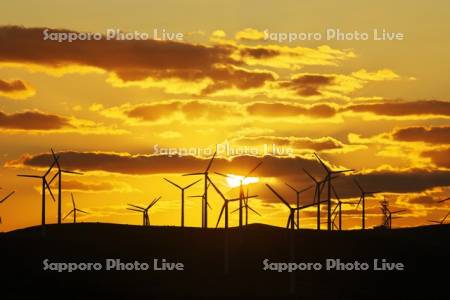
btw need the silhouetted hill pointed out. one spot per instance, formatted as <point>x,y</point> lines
<point>424,251</point>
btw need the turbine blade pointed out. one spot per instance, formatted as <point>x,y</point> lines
<point>188,186</point>
<point>443,220</point>
<point>444,200</point>
<point>217,190</point>
<point>191,174</point>
<point>68,214</point>
<point>84,212</point>
<point>237,209</point>
<point>358,185</point>
<point>292,188</point>
<point>30,176</point>
<point>253,170</point>
<point>171,182</point>
<point>253,210</point>
<point>322,163</point>
<point>140,207</point>
<point>7,196</point>
<point>55,158</point>
<point>220,215</point>
<point>310,176</point>
<point>49,189</point>
<point>221,174</point>
<point>342,171</point>
<point>71,172</point>
<point>278,196</point>
<point>305,189</point>
<point>73,200</point>
<point>210,162</point>
<point>133,209</point>
<point>154,202</point>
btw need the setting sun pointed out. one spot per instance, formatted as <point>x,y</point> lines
<point>235,180</point>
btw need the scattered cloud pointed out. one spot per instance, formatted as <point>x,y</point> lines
<point>16,89</point>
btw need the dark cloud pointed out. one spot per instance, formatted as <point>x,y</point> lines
<point>75,185</point>
<point>325,143</point>
<point>432,135</point>
<point>134,60</point>
<point>189,109</point>
<point>12,86</point>
<point>430,107</point>
<point>259,53</point>
<point>308,85</point>
<point>284,109</point>
<point>440,157</point>
<point>32,120</point>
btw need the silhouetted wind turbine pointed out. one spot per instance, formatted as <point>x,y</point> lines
<point>441,221</point>
<point>182,189</point>
<point>74,211</point>
<point>362,200</point>
<point>59,176</point>
<point>337,211</point>
<point>247,207</point>
<point>241,191</point>
<point>317,193</point>
<point>297,193</point>
<point>205,194</point>
<point>144,211</point>
<point>224,209</point>
<point>328,179</point>
<point>292,210</point>
<point>45,186</point>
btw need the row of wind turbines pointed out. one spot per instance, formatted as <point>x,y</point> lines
<point>334,211</point>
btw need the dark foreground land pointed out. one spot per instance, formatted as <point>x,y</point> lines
<point>423,250</point>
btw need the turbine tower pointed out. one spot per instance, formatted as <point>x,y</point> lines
<point>74,210</point>
<point>59,176</point>
<point>144,211</point>
<point>205,194</point>
<point>241,191</point>
<point>297,193</point>
<point>45,187</point>
<point>328,179</point>
<point>362,201</point>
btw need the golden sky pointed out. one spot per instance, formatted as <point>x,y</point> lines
<point>380,107</point>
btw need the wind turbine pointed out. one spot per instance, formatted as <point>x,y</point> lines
<point>45,186</point>
<point>388,213</point>
<point>205,194</point>
<point>144,211</point>
<point>328,179</point>
<point>292,210</point>
<point>441,221</point>
<point>4,199</point>
<point>247,207</point>
<point>362,200</point>
<point>74,211</point>
<point>317,193</point>
<point>297,193</point>
<point>338,209</point>
<point>224,209</point>
<point>241,191</point>
<point>182,189</point>
<point>59,176</point>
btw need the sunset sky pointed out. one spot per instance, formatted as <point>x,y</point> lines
<point>108,106</point>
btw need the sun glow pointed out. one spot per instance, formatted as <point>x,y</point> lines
<point>235,180</point>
